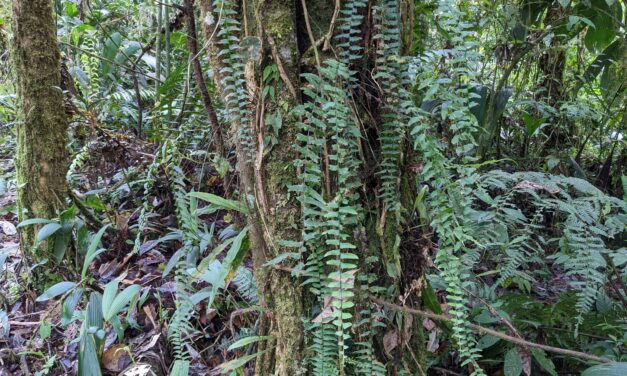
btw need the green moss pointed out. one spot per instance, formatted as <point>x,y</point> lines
<point>42,158</point>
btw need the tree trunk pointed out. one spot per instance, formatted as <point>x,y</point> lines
<point>285,32</point>
<point>275,213</point>
<point>42,157</point>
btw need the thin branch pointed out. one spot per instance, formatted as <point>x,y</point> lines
<point>329,36</point>
<point>503,336</point>
<point>282,72</point>
<point>312,39</point>
<point>192,45</point>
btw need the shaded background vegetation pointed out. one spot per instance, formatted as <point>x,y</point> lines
<point>477,152</point>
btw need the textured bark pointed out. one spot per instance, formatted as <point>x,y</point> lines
<point>42,157</point>
<point>276,213</point>
<point>280,27</point>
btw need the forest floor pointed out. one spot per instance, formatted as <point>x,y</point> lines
<point>40,338</point>
<point>33,341</point>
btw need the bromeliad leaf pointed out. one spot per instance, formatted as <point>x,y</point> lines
<point>47,231</point>
<point>220,201</point>
<point>92,251</point>
<point>120,301</point>
<point>34,221</point>
<point>56,290</point>
<point>247,341</point>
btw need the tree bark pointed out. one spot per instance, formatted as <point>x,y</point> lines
<point>276,215</point>
<point>42,159</point>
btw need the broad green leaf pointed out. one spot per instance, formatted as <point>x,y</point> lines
<point>575,20</point>
<point>47,231</point>
<point>93,251</point>
<point>532,123</point>
<point>68,215</point>
<point>608,369</point>
<point>121,301</point>
<point>89,260</point>
<point>236,254</point>
<point>180,368</point>
<point>220,201</point>
<point>513,365</point>
<point>172,262</point>
<point>543,361</point>
<point>69,305</point>
<point>56,290</point>
<point>88,362</point>
<point>94,310</point>
<point>78,32</point>
<point>247,341</point>
<point>110,291</point>
<point>116,324</point>
<point>111,45</point>
<point>430,300</point>
<point>45,329</point>
<point>238,362</point>
<point>70,9</point>
<point>61,241</point>
<point>609,55</point>
<point>94,202</point>
<point>34,221</point>
<point>487,341</point>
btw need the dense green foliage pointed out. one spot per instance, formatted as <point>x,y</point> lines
<point>462,158</point>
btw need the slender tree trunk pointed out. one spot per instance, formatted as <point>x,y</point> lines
<point>192,45</point>
<point>42,157</point>
<point>276,213</point>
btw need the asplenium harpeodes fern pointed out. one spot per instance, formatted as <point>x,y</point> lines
<point>349,41</point>
<point>180,327</point>
<point>328,193</point>
<point>91,63</point>
<point>388,78</point>
<point>585,221</point>
<point>450,179</point>
<point>232,74</point>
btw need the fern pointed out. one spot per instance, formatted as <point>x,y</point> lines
<point>450,201</point>
<point>161,157</point>
<point>349,36</point>
<point>232,74</point>
<point>129,96</point>
<point>586,218</point>
<point>180,327</point>
<point>91,64</point>
<point>369,321</point>
<point>246,285</point>
<point>79,160</point>
<point>331,261</point>
<point>388,78</point>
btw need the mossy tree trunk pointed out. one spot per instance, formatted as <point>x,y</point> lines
<point>279,28</point>
<point>42,159</point>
